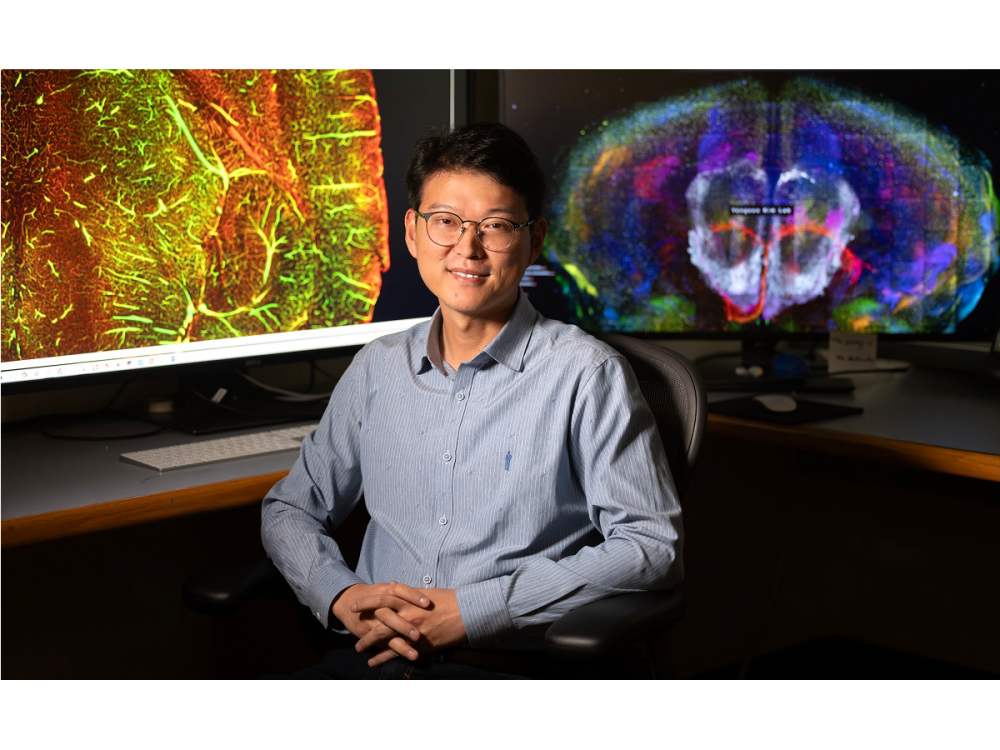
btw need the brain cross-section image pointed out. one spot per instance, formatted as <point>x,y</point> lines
<point>151,207</point>
<point>810,208</point>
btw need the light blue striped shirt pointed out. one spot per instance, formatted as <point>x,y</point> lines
<point>532,480</point>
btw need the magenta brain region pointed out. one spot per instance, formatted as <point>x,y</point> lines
<point>810,209</point>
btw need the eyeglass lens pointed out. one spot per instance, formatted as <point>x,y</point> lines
<point>446,229</point>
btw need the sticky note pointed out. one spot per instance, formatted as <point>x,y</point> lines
<point>852,351</point>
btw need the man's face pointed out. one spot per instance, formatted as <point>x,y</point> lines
<point>467,279</point>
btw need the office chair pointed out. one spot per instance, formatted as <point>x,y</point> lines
<point>592,635</point>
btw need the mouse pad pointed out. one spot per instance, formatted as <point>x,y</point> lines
<point>806,411</point>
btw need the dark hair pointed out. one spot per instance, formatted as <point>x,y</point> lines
<point>485,147</point>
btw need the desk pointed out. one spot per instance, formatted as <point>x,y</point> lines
<point>59,488</point>
<point>919,419</point>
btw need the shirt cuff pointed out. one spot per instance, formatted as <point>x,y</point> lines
<point>324,586</point>
<point>484,612</point>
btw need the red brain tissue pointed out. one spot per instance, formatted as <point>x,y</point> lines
<point>155,207</point>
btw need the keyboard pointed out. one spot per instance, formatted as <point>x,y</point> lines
<point>203,452</point>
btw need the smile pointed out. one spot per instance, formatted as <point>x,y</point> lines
<point>463,275</point>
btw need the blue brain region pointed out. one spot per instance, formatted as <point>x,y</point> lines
<point>815,209</point>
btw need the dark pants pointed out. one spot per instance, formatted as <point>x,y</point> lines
<point>342,662</point>
<point>348,664</point>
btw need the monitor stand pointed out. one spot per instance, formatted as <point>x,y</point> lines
<point>720,372</point>
<point>242,407</point>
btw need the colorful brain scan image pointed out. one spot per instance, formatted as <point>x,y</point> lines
<point>807,209</point>
<point>150,207</point>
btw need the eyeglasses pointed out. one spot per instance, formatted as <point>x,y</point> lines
<point>494,233</point>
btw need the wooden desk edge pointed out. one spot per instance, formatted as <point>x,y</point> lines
<point>249,490</point>
<point>136,510</point>
<point>866,447</point>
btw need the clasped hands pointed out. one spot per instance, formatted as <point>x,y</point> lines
<point>398,620</point>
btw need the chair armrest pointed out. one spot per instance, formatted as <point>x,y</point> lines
<point>613,624</point>
<point>223,589</point>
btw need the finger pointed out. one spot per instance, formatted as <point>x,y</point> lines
<point>381,658</point>
<point>392,619</point>
<point>409,594</point>
<point>377,636</point>
<point>382,637</point>
<point>403,648</point>
<point>365,622</point>
<point>397,647</point>
<point>378,601</point>
<point>390,595</point>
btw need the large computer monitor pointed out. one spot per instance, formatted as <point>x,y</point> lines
<point>759,205</point>
<point>183,221</point>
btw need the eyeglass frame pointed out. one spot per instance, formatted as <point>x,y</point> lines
<point>479,235</point>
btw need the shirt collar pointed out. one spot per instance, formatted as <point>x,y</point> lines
<point>433,357</point>
<point>507,348</point>
<point>510,344</point>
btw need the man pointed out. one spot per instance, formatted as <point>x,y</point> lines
<point>511,469</point>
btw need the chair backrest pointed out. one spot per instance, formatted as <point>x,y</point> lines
<point>675,392</point>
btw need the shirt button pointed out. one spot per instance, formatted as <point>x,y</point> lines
<point>460,396</point>
<point>427,579</point>
<point>447,457</point>
<point>442,520</point>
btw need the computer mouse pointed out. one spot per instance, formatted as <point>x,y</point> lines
<point>777,402</point>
